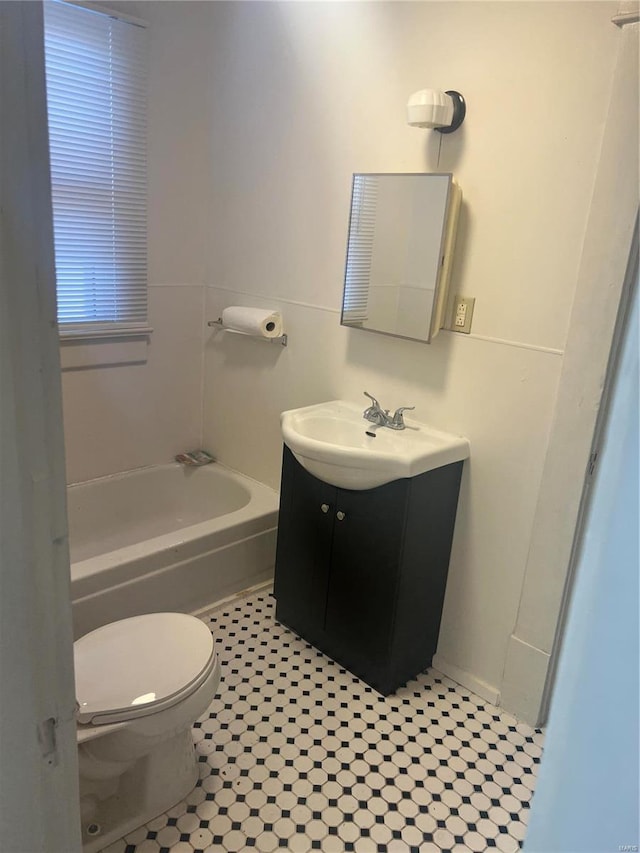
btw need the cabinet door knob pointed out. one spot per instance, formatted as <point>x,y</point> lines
<point>340,515</point>
<point>324,507</point>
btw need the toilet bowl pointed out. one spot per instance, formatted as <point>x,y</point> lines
<point>141,683</point>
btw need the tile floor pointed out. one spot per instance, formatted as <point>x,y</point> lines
<point>297,754</point>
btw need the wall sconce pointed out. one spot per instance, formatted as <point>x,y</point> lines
<point>442,111</point>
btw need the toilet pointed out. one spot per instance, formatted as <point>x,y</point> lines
<point>141,683</point>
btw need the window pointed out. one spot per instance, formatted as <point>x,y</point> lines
<point>96,94</point>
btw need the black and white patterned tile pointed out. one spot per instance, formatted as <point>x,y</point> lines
<point>297,754</point>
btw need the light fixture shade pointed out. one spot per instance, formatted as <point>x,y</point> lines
<point>429,108</point>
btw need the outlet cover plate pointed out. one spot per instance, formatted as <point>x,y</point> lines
<point>462,313</point>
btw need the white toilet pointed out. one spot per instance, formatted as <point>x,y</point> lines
<point>141,683</point>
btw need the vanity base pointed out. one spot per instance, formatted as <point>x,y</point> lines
<point>362,574</point>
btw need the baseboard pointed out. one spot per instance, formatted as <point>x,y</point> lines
<point>466,679</point>
<point>524,678</point>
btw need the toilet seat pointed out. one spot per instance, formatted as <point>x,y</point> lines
<point>139,666</point>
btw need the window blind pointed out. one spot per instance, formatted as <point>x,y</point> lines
<point>96,96</point>
<point>360,248</point>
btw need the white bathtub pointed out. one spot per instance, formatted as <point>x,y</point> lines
<point>166,538</point>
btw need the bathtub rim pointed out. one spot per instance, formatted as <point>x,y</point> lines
<point>213,466</point>
<point>258,514</point>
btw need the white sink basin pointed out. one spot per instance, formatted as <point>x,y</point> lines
<point>330,440</point>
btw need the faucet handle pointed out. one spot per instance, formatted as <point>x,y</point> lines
<point>373,399</point>
<point>398,420</point>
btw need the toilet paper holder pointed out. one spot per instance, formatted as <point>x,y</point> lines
<point>281,339</point>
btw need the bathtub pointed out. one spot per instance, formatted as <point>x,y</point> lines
<point>166,538</point>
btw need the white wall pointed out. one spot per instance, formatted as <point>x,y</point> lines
<point>127,415</point>
<point>305,94</point>
<point>602,270</point>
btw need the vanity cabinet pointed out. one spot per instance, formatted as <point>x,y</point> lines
<point>361,574</point>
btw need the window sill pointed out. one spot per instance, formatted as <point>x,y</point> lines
<point>81,348</point>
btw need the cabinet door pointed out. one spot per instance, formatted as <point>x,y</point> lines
<point>363,581</point>
<point>307,512</point>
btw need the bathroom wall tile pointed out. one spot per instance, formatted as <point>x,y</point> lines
<point>126,416</point>
<point>284,706</point>
<point>251,381</point>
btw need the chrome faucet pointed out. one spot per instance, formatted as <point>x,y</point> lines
<point>377,415</point>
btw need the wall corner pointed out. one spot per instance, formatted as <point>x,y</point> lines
<point>524,680</point>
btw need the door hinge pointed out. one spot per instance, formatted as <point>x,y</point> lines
<point>47,740</point>
<point>592,463</point>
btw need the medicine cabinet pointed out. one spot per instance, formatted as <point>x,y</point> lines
<point>401,238</point>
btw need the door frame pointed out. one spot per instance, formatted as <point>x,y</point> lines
<point>39,802</point>
<point>629,288</point>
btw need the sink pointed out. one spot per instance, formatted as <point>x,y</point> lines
<point>335,443</point>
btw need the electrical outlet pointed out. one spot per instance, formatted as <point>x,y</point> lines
<point>462,313</point>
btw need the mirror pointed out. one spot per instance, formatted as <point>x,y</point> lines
<point>401,236</point>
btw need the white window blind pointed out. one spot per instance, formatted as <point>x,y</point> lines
<point>96,94</point>
<point>360,248</point>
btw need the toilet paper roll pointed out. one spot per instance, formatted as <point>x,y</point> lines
<point>253,321</point>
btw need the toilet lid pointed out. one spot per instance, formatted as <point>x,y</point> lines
<point>135,666</point>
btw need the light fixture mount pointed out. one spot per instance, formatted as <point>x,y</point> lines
<point>459,112</point>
